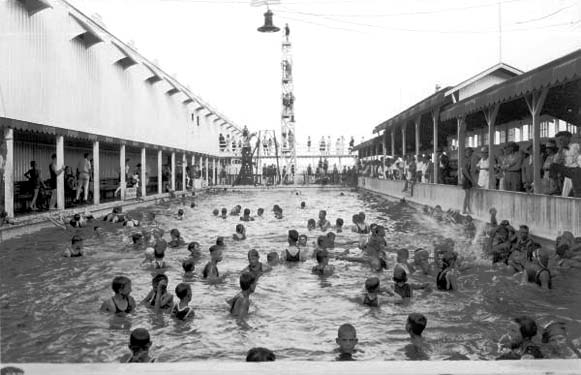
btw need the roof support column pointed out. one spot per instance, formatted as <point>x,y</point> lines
<point>417,121</point>
<point>214,170</point>
<point>535,103</point>
<point>184,165</point>
<point>207,171</point>
<point>435,118</point>
<point>173,171</point>
<point>122,171</point>
<point>96,174</point>
<point>393,143</point>
<point>461,146</point>
<point>490,116</point>
<point>159,172</point>
<point>9,172</point>
<point>403,139</point>
<point>144,176</point>
<point>384,144</point>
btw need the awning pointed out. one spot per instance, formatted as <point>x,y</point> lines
<point>173,89</point>
<point>435,100</point>
<point>557,72</point>
<point>34,6</point>
<point>127,60</point>
<point>87,36</point>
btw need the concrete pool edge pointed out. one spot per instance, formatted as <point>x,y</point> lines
<point>548,366</point>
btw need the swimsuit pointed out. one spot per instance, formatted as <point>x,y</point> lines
<point>293,258</point>
<point>181,314</point>
<point>441,281</point>
<point>258,271</point>
<point>233,302</point>
<point>158,264</point>
<point>208,268</point>
<point>364,230</point>
<point>371,302</point>
<point>128,309</point>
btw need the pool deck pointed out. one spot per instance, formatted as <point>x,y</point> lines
<point>303,367</point>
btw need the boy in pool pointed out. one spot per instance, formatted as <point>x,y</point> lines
<point>320,245</point>
<point>323,223</point>
<point>159,255</point>
<point>402,261</point>
<point>303,205</point>
<point>446,278</point>
<point>246,216</point>
<point>518,342</point>
<point>537,271</point>
<point>331,240</point>
<point>139,344</point>
<point>176,239</point>
<point>303,242</point>
<point>182,310</point>
<point>422,262</point>
<point>293,253</point>
<point>224,213</point>
<point>158,297</point>
<point>363,227</point>
<point>195,252</point>
<point>240,303</point>
<point>216,212</point>
<point>180,215</point>
<point>76,248</point>
<point>323,268</point>
<point>311,224</point>
<point>371,298</point>
<point>121,302</point>
<point>418,349</point>
<point>260,212</point>
<point>273,259</point>
<point>77,221</point>
<point>235,211</point>
<point>240,234</point>
<point>346,339</point>
<point>188,265</point>
<point>260,355</point>
<point>339,225</point>
<point>278,214</point>
<point>255,266</point>
<point>211,268</point>
<point>138,241</point>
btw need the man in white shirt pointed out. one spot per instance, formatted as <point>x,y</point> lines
<point>84,172</point>
<point>567,155</point>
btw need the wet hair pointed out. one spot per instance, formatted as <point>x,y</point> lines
<point>174,233</point>
<point>182,290</point>
<point>77,217</point>
<point>239,228</point>
<point>293,235</point>
<point>224,210</point>
<point>193,245</point>
<point>119,282</point>
<point>213,249</point>
<point>188,265</point>
<point>180,211</point>
<point>246,280</point>
<point>303,204</point>
<point>247,212</point>
<point>260,211</point>
<point>157,279</point>
<point>253,252</point>
<point>324,212</point>
<point>272,256</point>
<point>339,222</point>
<point>139,339</point>
<point>346,328</point>
<point>220,241</point>
<point>403,253</point>
<point>524,227</point>
<point>311,222</point>
<point>372,284</point>
<point>276,207</point>
<point>355,218</point>
<point>159,248</point>
<point>417,323</point>
<point>321,255</point>
<point>322,241</point>
<point>76,238</point>
<point>399,275</point>
<point>260,355</point>
<point>136,237</point>
<point>528,327</point>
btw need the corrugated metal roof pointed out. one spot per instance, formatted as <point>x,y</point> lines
<point>556,72</point>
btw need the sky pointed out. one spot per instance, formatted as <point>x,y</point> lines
<point>356,63</point>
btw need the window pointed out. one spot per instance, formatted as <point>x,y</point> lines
<point>526,132</point>
<point>553,125</point>
<point>544,129</point>
<point>496,137</point>
<point>572,128</point>
<point>517,135</point>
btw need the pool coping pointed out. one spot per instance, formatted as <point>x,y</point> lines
<point>548,366</point>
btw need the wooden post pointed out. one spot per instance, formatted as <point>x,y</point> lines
<point>144,176</point>
<point>535,102</point>
<point>184,165</point>
<point>417,123</point>
<point>96,174</point>
<point>60,180</point>
<point>159,172</point>
<point>173,171</point>
<point>403,139</point>
<point>461,146</point>
<point>490,116</point>
<point>435,118</point>
<point>122,171</point>
<point>393,143</point>
<point>207,170</point>
<point>9,172</point>
<point>385,144</point>
<point>214,170</point>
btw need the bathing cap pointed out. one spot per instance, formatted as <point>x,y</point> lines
<point>372,283</point>
<point>139,338</point>
<point>293,235</point>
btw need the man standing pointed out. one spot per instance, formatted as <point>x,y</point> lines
<point>567,156</point>
<point>467,182</point>
<point>84,173</point>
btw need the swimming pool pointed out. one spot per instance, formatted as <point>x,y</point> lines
<point>49,304</point>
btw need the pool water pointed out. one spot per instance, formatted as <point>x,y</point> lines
<point>50,304</point>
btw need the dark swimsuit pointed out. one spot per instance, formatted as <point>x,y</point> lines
<point>128,309</point>
<point>538,277</point>
<point>258,271</point>
<point>371,302</point>
<point>293,258</point>
<point>207,270</point>
<point>441,281</point>
<point>181,314</point>
<point>233,302</point>
<point>405,291</point>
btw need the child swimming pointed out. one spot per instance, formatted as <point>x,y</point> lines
<point>293,253</point>
<point>323,223</point>
<point>518,342</point>
<point>211,268</point>
<point>159,255</point>
<point>224,213</point>
<point>401,286</point>
<point>77,221</point>
<point>402,261</point>
<point>303,241</point>
<point>240,303</point>
<point>76,248</point>
<point>195,252</point>
<point>346,339</point>
<point>122,301</point>
<point>418,349</point>
<point>138,241</point>
<point>260,212</point>
<point>371,298</point>
<point>240,234</point>
<point>311,224</point>
<point>446,278</point>
<point>422,262</point>
<point>188,265</point>
<point>255,267</point>
<point>278,214</point>
<point>323,268</point>
<point>139,344</point>
<point>182,310</point>
<point>303,205</point>
<point>216,212</point>
<point>273,259</point>
<point>259,354</point>
<point>246,216</point>
<point>176,239</point>
<point>339,225</point>
<point>180,215</point>
<point>158,297</point>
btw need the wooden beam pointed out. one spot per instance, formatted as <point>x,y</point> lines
<point>417,122</point>
<point>435,119</point>
<point>490,114</point>
<point>461,146</point>
<point>535,102</point>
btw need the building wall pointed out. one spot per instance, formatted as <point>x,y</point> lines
<point>48,78</point>
<point>482,84</point>
<point>546,216</point>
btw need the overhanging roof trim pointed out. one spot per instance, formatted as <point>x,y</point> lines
<point>155,76</point>
<point>92,37</point>
<point>126,61</point>
<point>35,6</point>
<point>368,143</point>
<point>437,99</point>
<point>500,66</point>
<point>553,73</point>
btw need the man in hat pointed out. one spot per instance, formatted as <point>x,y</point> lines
<point>527,169</point>
<point>482,166</point>
<point>550,185</point>
<point>567,156</point>
<point>512,168</point>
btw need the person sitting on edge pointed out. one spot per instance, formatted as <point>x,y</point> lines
<point>182,310</point>
<point>278,214</point>
<point>311,224</point>
<point>323,268</point>
<point>303,205</point>
<point>537,271</point>
<point>240,303</point>
<point>422,262</point>
<point>518,342</point>
<point>176,239</point>
<point>211,268</point>
<point>139,344</point>
<point>240,234</point>
<point>255,266</point>
<point>188,265</point>
<point>224,213</point>
<point>216,212</point>
<point>273,259</point>
<point>77,221</point>
<point>180,215</point>
<point>195,251</point>
<point>246,216</point>
<point>138,241</point>
<point>371,298</point>
<point>418,349</point>
<point>260,355</point>
<point>323,223</point>
<point>76,248</point>
<point>159,255</point>
<point>557,344</point>
<point>346,339</point>
<point>260,212</point>
<point>446,278</point>
<point>158,297</point>
<point>339,225</point>
<point>331,240</point>
<point>121,302</point>
<point>293,253</point>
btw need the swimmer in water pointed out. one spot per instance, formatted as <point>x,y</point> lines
<point>323,223</point>
<point>339,225</point>
<point>518,342</point>
<point>76,248</point>
<point>235,211</point>
<point>78,221</point>
<point>346,339</point>
<point>278,214</point>
<point>220,242</point>
<point>331,240</point>
<point>446,278</point>
<point>189,266</point>
<point>260,212</point>
<point>303,205</point>
<point>303,242</point>
<point>311,224</point>
<point>293,253</point>
<point>176,239</point>
<point>246,216</point>
<point>182,309</point>
<point>216,212</point>
<point>537,271</point>
<point>371,298</point>
<point>195,251</point>
<point>211,268</point>
<point>122,301</point>
<point>158,297</point>
<point>240,304</point>
<point>138,241</point>
<point>422,262</point>
<point>260,355</point>
<point>557,344</point>
<point>159,255</point>
<point>224,213</point>
<point>255,266</point>
<point>402,261</point>
<point>273,259</point>
<point>180,215</point>
<point>139,344</point>
<point>323,268</point>
<point>401,286</point>
<point>240,234</point>
<point>418,349</point>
